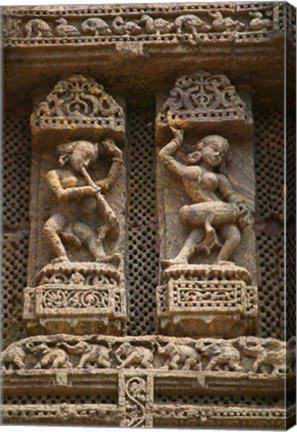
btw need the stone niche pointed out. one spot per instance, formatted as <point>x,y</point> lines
<point>75,273</point>
<point>144,215</point>
<point>200,292</point>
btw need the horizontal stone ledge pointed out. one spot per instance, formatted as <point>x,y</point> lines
<point>165,382</point>
<point>163,414</point>
<point>106,414</point>
<point>216,416</point>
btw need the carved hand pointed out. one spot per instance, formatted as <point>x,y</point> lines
<point>103,185</point>
<point>90,190</point>
<point>246,216</point>
<point>178,134</point>
<point>110,147</point>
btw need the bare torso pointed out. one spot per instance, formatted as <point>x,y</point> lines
<point>85,204</point>
<point>201,185</point>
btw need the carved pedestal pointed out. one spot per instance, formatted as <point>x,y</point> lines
<point>77,298</point>
<point>202,300</point>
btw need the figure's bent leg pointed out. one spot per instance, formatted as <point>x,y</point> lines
<point>211,239</point>
<point>202,215</point>
<point>188,248</point>
<point>232,237</point>
<point>88,236</point>
<point>51,230</point>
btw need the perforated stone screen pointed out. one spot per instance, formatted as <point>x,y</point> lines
<point>142,261</point>
<point>142,264</point>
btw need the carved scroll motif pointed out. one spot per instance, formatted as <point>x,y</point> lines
<point>136,398</point>
<point>136,395</point>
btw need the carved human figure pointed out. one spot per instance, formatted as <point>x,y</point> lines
<point>76,193</point>
<point>216,206</point>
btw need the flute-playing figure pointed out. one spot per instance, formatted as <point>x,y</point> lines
<point>77,193</point>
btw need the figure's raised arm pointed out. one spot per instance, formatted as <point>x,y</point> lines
<point>117,161</point>
<point>167,152</point>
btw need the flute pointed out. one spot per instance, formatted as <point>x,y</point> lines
<point>109,215</point>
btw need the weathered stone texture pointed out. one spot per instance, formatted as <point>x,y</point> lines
<point>143,261</point>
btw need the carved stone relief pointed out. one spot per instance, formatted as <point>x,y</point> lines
<point>108,24</point>
<point>202,292</point>
<point>203,363</point>
<point>78,249</point>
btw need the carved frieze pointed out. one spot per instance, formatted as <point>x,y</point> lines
<point>187,416</point>
<point>164,415</point>
<point>170,360</point>
<point>138,368</point>
<point>107,25</point>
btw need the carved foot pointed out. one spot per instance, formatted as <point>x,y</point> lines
<point>173,261</point>
<point>228,263</point>
<point>114,259</point>
<point>72,239</point>
<point>209,243</point>
<point>60,259</point>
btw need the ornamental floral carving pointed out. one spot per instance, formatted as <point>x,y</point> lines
<point>78,96</point>
<point>201,97</point>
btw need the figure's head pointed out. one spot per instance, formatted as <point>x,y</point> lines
<point>77,154</point>
<point>213,150</point>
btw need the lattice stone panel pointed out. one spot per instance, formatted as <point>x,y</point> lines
<point>60,399</point>
<point>143,250</point>
<point>16,172</point>
<point>245,401</point>
<point>15,213</point>
<point>291,225</point>
<point>269,144</point>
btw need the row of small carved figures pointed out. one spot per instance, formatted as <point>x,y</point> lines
<point>244,355</point>
<point>189,23</point>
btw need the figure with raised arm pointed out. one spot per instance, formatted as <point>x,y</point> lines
<point>216,208</point>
